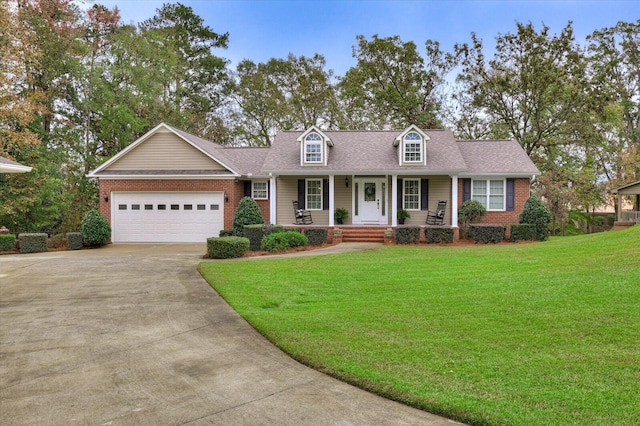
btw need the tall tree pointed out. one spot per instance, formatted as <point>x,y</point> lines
<point>392,85</point>
<point>282,94</point>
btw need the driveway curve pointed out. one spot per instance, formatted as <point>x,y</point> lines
<point>132,335</point>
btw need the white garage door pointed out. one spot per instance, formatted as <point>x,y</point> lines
<point>166,217</point>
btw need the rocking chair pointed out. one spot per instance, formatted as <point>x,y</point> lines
<point>437,217</point>
<point>303,217</point>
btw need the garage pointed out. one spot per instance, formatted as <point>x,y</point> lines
<point>166,217</point>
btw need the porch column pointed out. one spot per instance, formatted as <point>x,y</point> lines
<point>272,200</point>
<point>619,212</point>
<point>332,191</point>
<point>394,200</point>
<point>454,200</point>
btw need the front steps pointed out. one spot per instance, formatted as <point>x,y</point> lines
<point>362,234</point>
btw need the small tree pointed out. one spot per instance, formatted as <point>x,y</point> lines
<point>471,211</point>
<point>538,215</point>
<point>95,228</point>
<point>247,213</point>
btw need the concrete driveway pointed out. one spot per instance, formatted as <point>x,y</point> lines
<point>132,335</point>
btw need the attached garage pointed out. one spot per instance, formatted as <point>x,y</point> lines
<point>166,217</point>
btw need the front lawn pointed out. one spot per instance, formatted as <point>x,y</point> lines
<point>542,333</point>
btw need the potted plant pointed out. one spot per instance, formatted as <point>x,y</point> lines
<point>340,214</point>
<point>402,215</point>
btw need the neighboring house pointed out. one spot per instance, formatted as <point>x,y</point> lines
<point>9,166</point>
<point>171,186</point>
<point>632,194</point>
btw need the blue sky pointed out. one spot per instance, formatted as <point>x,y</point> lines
<point>262,29</point>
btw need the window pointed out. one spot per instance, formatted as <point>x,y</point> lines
<point>135,206</point>
<point>411,194</point>
<point>122,206</point>
<point>259,190</point>
<point>490,193</point>
<point>314,194</point>
<point>175,206</point>
<point>201,207</point>
<point>214,207</point>
<point>412,148</point>
<point>313,148</point>
<point>162,206</point>
<point>187,207</point>
<point>148,206</point>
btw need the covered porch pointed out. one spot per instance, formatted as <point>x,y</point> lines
<point>628,195</point>
<point>370,200</point>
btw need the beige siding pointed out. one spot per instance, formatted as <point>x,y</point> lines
<point>165,151</point>
<point>439,189</point>
<point>343,196</point>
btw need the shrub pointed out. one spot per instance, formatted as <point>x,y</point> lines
<point>438,234</point>
<point>275,243</point>
<point>226,232</point>
<point>57,241</point>
<point>408,235</point>
<point>296,239</point>
<point>95,229</point>
<point>487,232</point>
<point>247,213</point>
<point>522,231</point>
<point>316,236</point>
<point>7,242</point>
<point>255,234</point>
<point>227,247</point>
<point>33,243</point>
<point>471,211</point>
<point>74,240</point>
<point>537,214</point>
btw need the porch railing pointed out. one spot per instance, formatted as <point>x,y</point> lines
<point>632,216</point>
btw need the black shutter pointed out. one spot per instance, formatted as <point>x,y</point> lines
<point>247,188</point>
<point>400,189</point>
<point>424,194</point>
<point>466,189</point>
<point>301,193</point>
<point>511,194</point>
<point>269,189</point>
<point>325,194</point>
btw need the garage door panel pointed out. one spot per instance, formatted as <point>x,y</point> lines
<point>162,216</point>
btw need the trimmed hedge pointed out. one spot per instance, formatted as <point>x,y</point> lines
<point>255,234</point>
<point>438,234</point>
<point>537,214</point>
<point>247,213</point>
<point>407,235</point>
<point>74,240</point>
<point>296,239</point>
<point>227,247</point>
<point>487,232</point>
<point>522,231</point>
<point>57,241</point>
<point>7,242</point>
<point>226,233</point>
<point>33,243</point>
<point>275,243</point>
<point>316,236</point>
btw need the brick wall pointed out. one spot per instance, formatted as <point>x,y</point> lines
<point>522,193</point>
<point>234,190</point>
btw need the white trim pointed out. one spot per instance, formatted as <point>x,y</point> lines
<point>404,181</point>
<point>146,136</point>
<point>164,177</point>
<point>454,201</point>
<point>306,194</point>
<point>331,199</point>
<point>394,200</point>
<point>14,168</point>
<point>266,189</point>
<point>488,195</point>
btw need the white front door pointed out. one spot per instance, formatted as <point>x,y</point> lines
<point>371,200</point>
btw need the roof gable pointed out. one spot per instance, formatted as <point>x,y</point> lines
<point>164,150</point>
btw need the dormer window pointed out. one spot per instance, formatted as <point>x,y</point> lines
<point>313,148</point>
<point>412,145</point>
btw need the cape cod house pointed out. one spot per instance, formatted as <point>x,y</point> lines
<point>172,186</point>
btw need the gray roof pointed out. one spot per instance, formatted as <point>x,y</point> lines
<point>497,157</point>
<point>374,152</point>
<point>10,166</point>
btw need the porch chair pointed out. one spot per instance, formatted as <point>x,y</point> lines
<point>437,217</point>
<point>303,217</point>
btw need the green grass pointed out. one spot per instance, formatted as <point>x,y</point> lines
<point>542,333</point>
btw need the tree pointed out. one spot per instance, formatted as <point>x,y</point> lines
<point>280,94</point>
<point>392,85</point>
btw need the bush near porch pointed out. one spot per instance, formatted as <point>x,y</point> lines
<point>484,334</point>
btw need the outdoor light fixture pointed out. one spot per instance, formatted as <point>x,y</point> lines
<point>105,197</point>
<point>346,181</point>
<point>226,197</point>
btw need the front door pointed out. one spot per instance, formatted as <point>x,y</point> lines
<point>371,200</point>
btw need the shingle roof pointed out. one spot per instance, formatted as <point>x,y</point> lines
<point>10,166</point>
<point>498,157</point>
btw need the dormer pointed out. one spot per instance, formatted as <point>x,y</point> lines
<point>314,147</point>
<point>412,144</point>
